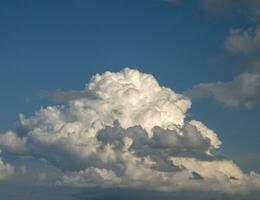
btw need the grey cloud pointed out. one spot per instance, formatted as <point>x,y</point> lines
<point>118,194</point>
<point>244,89</point>
<point>186,141</point>
<point>248,8</point>
<point>245,42</point>
<point>189,139</point>
<point>217,7</point>
<point>29,192</point>
<point>65,96</point>
<point>175,2</point>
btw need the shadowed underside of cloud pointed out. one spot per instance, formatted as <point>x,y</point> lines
<point>118,194</point>
<point>133,135</point>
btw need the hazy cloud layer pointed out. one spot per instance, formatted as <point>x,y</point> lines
<point>65,96</point>
<point>133,135</point>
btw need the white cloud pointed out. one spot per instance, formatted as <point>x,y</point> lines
<point>6,170</point>
<point>134,135</point>
<point>90,177</point>
<point>11,143</point>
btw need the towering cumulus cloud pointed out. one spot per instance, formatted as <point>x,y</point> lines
<point>133,134</point>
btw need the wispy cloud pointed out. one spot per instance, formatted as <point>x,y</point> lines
<point>61,96</point>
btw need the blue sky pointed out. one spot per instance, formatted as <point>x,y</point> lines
<point>50,45</point>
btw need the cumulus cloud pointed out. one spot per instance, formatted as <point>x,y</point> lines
<point>133,135</point>
<point>23,170</point>
<point>6,170</point>
<point>244,89</point>
<point>9,142</point>
<point>245,42</point>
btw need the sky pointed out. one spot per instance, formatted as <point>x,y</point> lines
<point>205,50</point>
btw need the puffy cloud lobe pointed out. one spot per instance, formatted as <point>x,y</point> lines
<point>11,143</point>
<point>134,134</point>
<point>6,170</point>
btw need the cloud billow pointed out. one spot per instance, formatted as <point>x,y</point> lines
<point>133,135</point>
<point>6,170</point>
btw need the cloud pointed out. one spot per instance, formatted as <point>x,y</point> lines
<point>90,177</point>
<point>244,89</point>
<point>245,42</point>
<point>9,142</point>
<point>129,194</point>
<point>174,2</point>
<point>65,96</point>
<point>6,170</point>
<point>217,7</point>
<point>23,170</point>
<point>249,9</point>
<point>133,135</point>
